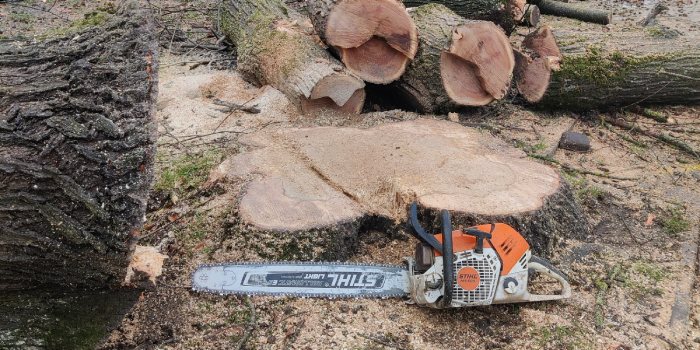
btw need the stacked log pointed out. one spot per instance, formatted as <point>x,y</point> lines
<point>534,64</point>
<point>474,59</point>
<point>276,46</point>
<point>374,39</point>
<point>622,68</point>
<point>504,13</point>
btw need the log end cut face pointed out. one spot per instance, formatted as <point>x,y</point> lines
<point>376,39</point>
<point>302,179</point>
<point>532,77</point>
<point>541,43</point>
<point>487,49</point>
<point>339,92</point>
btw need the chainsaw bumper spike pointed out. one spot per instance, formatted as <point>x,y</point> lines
<point>485,264</point>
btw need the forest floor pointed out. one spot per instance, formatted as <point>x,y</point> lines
<point>634,277</point>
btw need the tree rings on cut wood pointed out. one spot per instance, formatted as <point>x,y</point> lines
<point>375,39</point>
<point>531,76</point>
<point>474,59</point>
<point>311,190</point>
<point>541,43</point>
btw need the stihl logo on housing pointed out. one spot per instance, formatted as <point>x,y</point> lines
<point>366,280</point>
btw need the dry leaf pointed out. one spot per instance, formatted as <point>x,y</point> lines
<point>650,220</point>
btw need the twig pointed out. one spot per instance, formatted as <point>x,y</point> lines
<point>236,107</point>
<point>655,11</point>
<point>251,325</point>
<point>621,123</point>
<point>579,170</point>
<point>380,341</point>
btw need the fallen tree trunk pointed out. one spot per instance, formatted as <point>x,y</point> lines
<point>503,13</point>
<point>562,9</point>
<point>77,143</point>
<point>622,68</point>
<point>374,38</point>
<point>305,204</point>
<point>474,59</point>
<point>276,46</point>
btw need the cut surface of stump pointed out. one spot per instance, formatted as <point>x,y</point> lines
<point>474,59</point>
<point>77,144</point>
<point>322,184</point>
<point>374,38</point>
<point>275,46</point>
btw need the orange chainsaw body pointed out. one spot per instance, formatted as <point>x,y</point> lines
<point>510,245</point>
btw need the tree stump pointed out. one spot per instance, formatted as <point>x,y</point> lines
<point>311,191</point>
<point>276,46</point>
<point>474,59</point>
<point>77,143</point>
<point>375,39</point>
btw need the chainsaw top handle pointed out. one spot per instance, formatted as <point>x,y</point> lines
<point>447,258</point>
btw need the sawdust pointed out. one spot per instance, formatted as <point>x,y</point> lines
<point>145,262</point>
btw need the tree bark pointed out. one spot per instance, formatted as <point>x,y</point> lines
<point>471,73</point>
<point>496,11</point>
<point>558,8</point>
<point>375,39</point>
<point>77,143</point>
<point>276,46</point>
<point>622,67</point>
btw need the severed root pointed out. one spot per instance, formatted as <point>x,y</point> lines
<point>531,76</point>
<point>376,39</point>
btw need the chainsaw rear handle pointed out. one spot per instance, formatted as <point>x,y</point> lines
<point>544,267</point>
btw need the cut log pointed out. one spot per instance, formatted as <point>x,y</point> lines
<point>276,46</point>
<point>474,59</point>
<point>316,188</point>
<point>541,43</point>
<point>531,76</point>
<point>503,13</point>
<point>558,8</point>
<point>531,17</point>
<point>374,38</point>
<point>77,143</point>
<point>622,68</point>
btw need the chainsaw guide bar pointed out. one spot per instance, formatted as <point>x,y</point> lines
<point>303,279</point>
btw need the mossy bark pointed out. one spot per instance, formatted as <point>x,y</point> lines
<point>621,68</point>
<point>497,11</point>
<point>422,82</point>
<point>275,47</point>
<point>77,143</point>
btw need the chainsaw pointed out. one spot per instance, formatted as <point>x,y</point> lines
<point>480,265</point>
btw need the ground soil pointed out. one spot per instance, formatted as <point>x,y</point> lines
<point>634,277</point>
